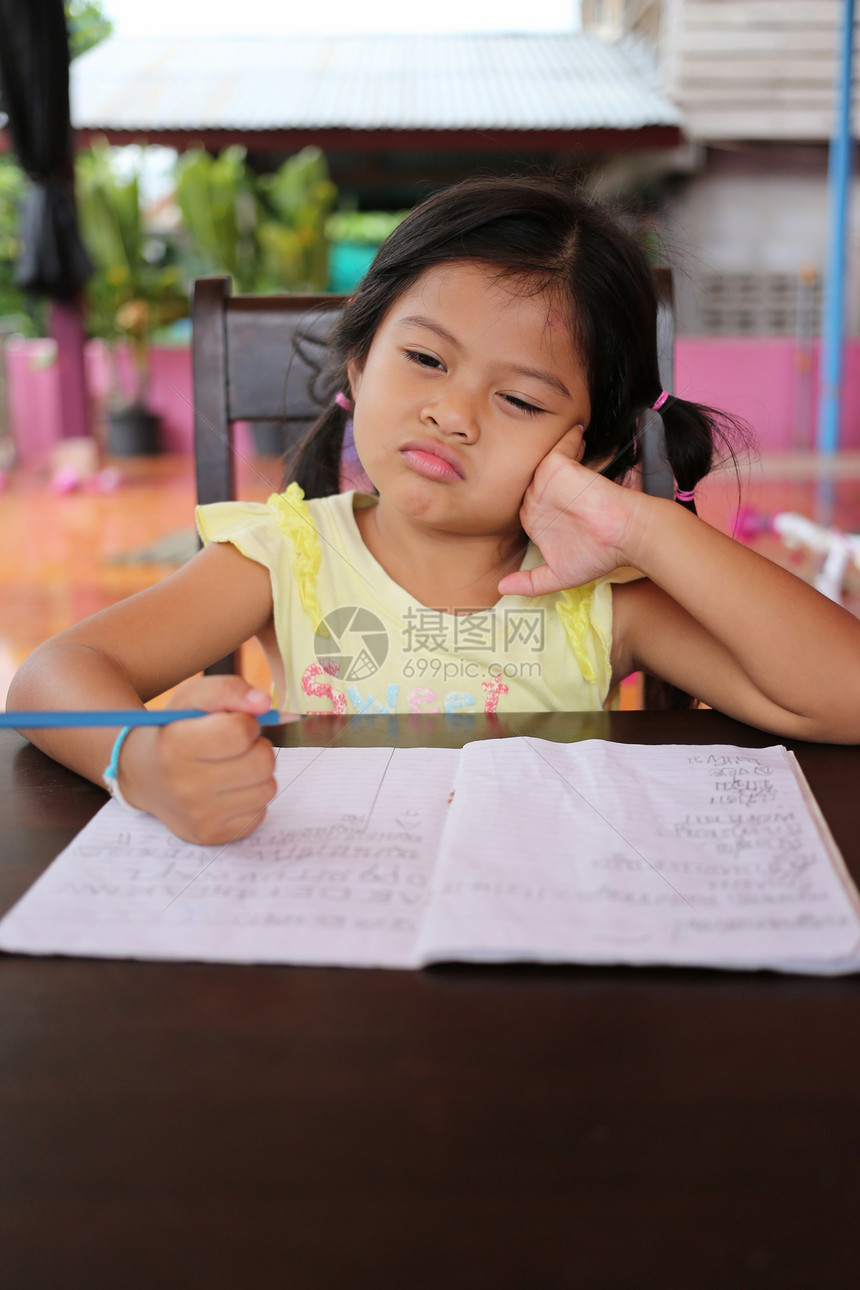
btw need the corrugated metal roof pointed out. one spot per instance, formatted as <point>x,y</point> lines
<point>563,81</point>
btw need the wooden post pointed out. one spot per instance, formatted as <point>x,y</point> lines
<point>67,329</point>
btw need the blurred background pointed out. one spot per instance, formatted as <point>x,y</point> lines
<point>281,148</point>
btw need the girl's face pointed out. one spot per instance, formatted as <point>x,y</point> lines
<point>466,388</point>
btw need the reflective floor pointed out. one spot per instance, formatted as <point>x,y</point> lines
<point>65,555</point>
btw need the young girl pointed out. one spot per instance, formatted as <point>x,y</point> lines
<point>496,364</point>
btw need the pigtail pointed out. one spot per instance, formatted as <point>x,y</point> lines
<point>689,433</point>
<point>314,464</point>
<point>696,439</point>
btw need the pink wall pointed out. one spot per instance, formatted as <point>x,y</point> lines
<point>169,392</point>
<point>34,396</point>
<point>760,380</point>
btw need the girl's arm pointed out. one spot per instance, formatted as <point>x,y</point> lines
<point>210,778</point>
<point>711,616</point>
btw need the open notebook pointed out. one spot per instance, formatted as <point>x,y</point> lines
<point>513,849</point>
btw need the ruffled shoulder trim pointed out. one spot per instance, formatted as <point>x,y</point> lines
<point>296,523</point>
<point>586,615</point>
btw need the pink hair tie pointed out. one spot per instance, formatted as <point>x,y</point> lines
<point>684,497</point>
<point>342,401</point>
<point>658,402</point>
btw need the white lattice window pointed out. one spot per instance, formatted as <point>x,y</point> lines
<point>760,304</point>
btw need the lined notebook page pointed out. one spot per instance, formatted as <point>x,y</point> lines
<point>338,873</point>
<point>513,849</point>
<point>608,853</point>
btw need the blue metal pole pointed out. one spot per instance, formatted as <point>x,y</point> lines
<point>833,322</point>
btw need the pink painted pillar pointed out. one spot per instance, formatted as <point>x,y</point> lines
<point>67,329</point>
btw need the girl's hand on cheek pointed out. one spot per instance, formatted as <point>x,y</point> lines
<point>580,521</point>
<point>210,778</point>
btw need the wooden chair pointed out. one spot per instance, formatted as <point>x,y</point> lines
<point>253,358</point>
<point>657,478</point>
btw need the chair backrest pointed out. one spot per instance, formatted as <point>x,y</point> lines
<point>252,360</point>
<point>657,478</point>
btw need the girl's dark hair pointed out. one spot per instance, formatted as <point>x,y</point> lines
<point>554,239</point>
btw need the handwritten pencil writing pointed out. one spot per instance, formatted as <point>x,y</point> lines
<point>511,849</point>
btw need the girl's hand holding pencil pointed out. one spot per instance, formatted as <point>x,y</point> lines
<point>209,779</point>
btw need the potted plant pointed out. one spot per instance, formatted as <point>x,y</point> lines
<point>135,291</point>
<point>295,203</point>
<point>268,231</point>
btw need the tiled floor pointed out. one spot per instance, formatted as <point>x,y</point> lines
<point>62,557</point>
<point>65,556</point>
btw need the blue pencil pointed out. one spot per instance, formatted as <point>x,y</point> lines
<point>133,717</point>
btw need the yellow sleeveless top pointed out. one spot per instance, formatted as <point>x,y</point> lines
<point>352,640</point>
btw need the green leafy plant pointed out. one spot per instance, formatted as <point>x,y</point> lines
<point>296,202</point>
<point>22,313</point>
<point>219,207</point>
<point>87,25</point>
<point>267,232</point>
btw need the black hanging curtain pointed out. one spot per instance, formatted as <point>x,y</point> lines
<point>34,81</point>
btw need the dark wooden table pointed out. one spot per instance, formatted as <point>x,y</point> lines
<point>185,1125</point>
